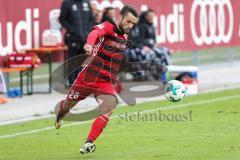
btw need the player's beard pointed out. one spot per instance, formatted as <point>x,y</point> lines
<point>121,28</point>
<point>125,31</point>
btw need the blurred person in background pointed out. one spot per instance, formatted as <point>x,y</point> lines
<point>98,17</point>
<point>145,48</point>
<point>147,31</point>
<point>94,7</point>
<point>96,12</point>
<point>76,18</point>
<point>147,37</point>
<point>109,15</point>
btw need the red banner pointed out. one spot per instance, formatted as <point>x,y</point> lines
<point>181,25</point>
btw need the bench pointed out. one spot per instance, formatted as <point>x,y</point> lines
<point>20,70</point>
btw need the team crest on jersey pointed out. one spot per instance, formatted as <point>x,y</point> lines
<point>114,46</point>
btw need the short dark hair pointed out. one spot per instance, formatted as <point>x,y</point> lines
<point>126,9</point>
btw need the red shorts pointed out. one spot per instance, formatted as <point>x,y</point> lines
<point>82,89</point>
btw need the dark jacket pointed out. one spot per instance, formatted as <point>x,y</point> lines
<point>134,37</point>
<point>147,34</point>
<point>143,34</point>
<point>146,31</point>
<point>76,17</point>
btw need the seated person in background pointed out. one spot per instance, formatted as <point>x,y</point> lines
<point>147,31</point>
<point>109,15</point>
<point>145,47</point>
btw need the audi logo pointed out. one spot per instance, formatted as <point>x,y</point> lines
<point>212,21</point>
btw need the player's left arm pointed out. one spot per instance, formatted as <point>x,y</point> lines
<point>98,31</point>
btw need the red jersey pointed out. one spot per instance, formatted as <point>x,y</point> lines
<point>109,45</point>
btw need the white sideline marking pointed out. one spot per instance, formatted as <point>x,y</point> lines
<point>116,116</point>
<point>32,118</point>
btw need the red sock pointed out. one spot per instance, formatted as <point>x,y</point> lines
<point>97,127</point>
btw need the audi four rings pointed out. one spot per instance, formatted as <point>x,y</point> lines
<point>212,19</point>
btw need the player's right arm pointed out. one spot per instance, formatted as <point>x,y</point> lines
<point>97,32</point>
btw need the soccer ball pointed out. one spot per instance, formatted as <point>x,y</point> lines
<point>174,91</point>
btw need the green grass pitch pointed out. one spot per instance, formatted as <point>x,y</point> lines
<point>210,132</point>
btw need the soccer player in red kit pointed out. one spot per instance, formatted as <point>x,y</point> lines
<point>105,46</point>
